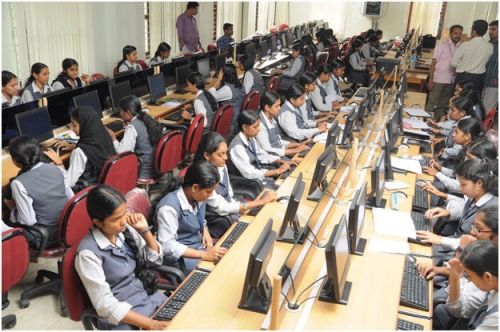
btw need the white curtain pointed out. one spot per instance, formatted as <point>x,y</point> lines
<point>282,9</point>
<point>265,18</point>
<point>162,20</point>
<point>425,15</point>
<point>230,12</point>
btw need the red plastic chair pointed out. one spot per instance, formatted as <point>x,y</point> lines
<point>143,64</point>
<point>211,47</point>
<point>121,172</point>
<point>489,120</point>
<point>138,202</point>
<point>321,59</point>
<point>274,83</point>
<point>168,152</point>
<point>15,261</point>
<point>251,101</point>
<point>193,135</point>
<point>282,26</point>
<point>333,52</point>
<point>222,120</point>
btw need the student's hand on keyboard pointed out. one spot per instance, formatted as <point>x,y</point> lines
<point>268,196</point>
<point>54,156</point>
<point>426,270</point>
<point>431,123</point>
<point>111,134</point>
<point>437,212</point>
<point>65,146</point>
<point>433,190</point>
<point>213,254</point>
<point>434,130</point>
<point>186,115</point>
<point>436,140</point>
<point>435,164</point>
<point>429,237</point>
<point>322,127</point>
<point>429,170</point>
<point>156,325</point>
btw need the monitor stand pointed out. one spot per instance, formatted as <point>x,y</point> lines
<point>360,248</point>
<point>315,196</point>
<point>292,236</point>
<point>345,146</point>
<point>259,298</point>
<point>326,297</point>
<point>370,202</point>
<point>180,91</point>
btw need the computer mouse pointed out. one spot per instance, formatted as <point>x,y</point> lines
<point>145,109</point>
<point>345,115</point>
<point>283,199</point>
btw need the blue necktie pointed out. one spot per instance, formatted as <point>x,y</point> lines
<point>251,145</point>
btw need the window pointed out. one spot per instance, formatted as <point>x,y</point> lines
<point>147,35</point>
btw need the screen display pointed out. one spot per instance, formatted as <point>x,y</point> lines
<point>35,123</point>
<point>157,86</point>
<point>118,92</point>
<point>90,99</point>
<point>181,74</point>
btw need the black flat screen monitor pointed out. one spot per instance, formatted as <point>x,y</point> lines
<point>332,131</point>
<point>356,220</point>
<point>257,288</point>
<point>90,99</point>
<point>274,44</point>
<point>128,75</point>
<point>335,288</point>
<point>283,40</point>
<point>290,230</point>
<point>392,127</point>
<point>264,51</point>
<point>220,60</point>
<point>250,50</point>
<point>117,92</point>
<point>378,181</point>
<point>9,125</point>
<point>156,84</point>
<point>35,123</point>
<point>386,148</point>
<point>60,105</point>
<point>102,88</point>
<point>181,74</point>
<point>318,183</point>
<point>348,127</point>
<point>203,67</point>
<point>289,38</point>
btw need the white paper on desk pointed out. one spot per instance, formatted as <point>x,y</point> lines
<point>415,123</point>
<point>333,98</point>
<point>346,109</point>
<point>321,137</point>
<point>410,165</point>
<point>391,222</point>
<point>395,185</point>
<point>416,112</point>
<point>171,103</point>
<point>329,125</point>
<point>389,246</point>
<point>417,132</point>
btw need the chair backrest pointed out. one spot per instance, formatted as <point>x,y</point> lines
<point>489,120</point>
<point>97,76</point>
<point>334,52</point>
<point>251,101</point>
<point>211,47</point>
<point>115,71</point>
<point>74,221</point>
<point>168,152</point>
<point>273,83</point>
<point>193,134</point>
<point>74,292</point>
<point>321,58</point>
<point>121,172</point>
<point>15,258</point>
<point>143,64</point>
<point>222,120</point>
<point>138,202</point>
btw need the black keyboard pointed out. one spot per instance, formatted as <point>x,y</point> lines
<point>421,223</point>
<point>181,296</point>
<point>238,229</point>
<point>286,174</point>
<point>425,147</point>
<point>174,116</point>
<point>421,199</point>
<point>115,126</point>
<point>303,153</point>
<point>414,289</point>
<point>404,325</point>
<point>424,162</point>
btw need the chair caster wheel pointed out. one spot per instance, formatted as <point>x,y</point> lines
<point>39,279</point>
<point>24,303</point>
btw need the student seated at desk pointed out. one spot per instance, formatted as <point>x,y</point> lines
<point>299,65</point>
<point>357,67</point>
<point>182,228</point>
<point>269,137</point>
<point>88,156</point>
<point>247,156</point>
<point>478,110</point>
<point>204,102</point>
<point>37,84</point>
<point>38,193</point>
<point>142,133</point>
<point>10,89</point>
<point>252,80</point>
<point>292,120</point>
<point>368,50</point>
<point>317,92</point>
<point>228,88</point>
<point>222,207</point>
<point>331,36</point>
<point>338,72</point>
<point>110,257</point>
<point>68,78</point>
<point>129,59</point>
<point>161,55</point>
<point>308,109</point>
<point>323,40</point>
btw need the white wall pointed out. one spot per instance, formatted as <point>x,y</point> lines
<point>464,13</point>
<point>205,21</point>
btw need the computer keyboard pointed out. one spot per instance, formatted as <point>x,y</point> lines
<point>425,147</point>
<point>115,126</point>
<point>424,162</point>
<point>404,325</point>
<point>414,289</point>
<point>238,229</point>
<point>181,296</point>
<point>303,153</point>
<point>421,199</point>
<point>421,223</point>
<point>286,174</point>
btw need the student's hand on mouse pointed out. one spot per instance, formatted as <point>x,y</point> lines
<point>138,222</point>
<point>213,254</point>
<point>54,156</point>
<point>429,237</point>
<point>456,268</point>
<point>431,122</point>
<point>65,146</point>
<point>429,170</point>
<point>426,270</point>
<point>186,115</point>
<point>437,212</point>
<point>157,325</point>
<point>9,203</point>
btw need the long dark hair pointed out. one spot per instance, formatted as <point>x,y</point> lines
<point>162,47</point>
<point>66,64</point>
<point>7,76</point>
<point>490,214</point>
<point>128,49</point>
<point>247,62</point>
<point>307,78</point>
<point>132,104</point>
<point>36,68</point>
<point>196,79</point>
<point>268,98</point>
<point>470,126</point>
<point>209,143</point>
<point>480,257</point>
<point>476,170</point>
<point>25,151</point>
<point>245,117</point>
<point>294,92</point>
<point>477,109</point>
<point>486,150</point>
<point>229,75</point>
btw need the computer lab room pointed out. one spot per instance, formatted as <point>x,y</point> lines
<point>250,165</point>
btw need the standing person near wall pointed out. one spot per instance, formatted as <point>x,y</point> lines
<point>442,74</point>
<point>490,93</point>
<point>224,42</point>
<point>187,30</point>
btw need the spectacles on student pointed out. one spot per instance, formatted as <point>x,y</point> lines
<point>474,226</point>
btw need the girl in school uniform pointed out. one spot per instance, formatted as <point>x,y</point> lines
<point>90,153</point>
<point>298,67</point>
<point>222,207</point>
<point>358,67</point>
<point>204,102</point>
<point>39,192</point>
<point>293,121</point>
<point>314,108</point>
<point>180,214</point>
<point>269,137</point>
<point>252,80</point>
<point>338,72</point>
<point>161,55</point>
<point>10,89</point>
<point>37,84</point>
<point>324,83</point>
<point>109,259</point>
<point>68,78</point>
<point>248,157</point>
<point>142,133</point>
<point>129,59</point>
<point>228,88</point>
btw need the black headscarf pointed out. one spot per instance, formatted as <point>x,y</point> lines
<point>94,138</point>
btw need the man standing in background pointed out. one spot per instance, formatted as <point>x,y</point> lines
<point>187,30</point>
<point>442,74</point>
<point>490,93</point>
<point>224,42</point>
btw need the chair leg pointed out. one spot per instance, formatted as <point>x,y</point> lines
<point>52,286</point>
<point>62,303</point>
<point>8,321</point>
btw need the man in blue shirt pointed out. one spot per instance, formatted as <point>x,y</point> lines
<point>490,92</point>
<point>224,41</point>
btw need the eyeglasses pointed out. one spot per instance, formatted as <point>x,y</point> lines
<point>474,226</point>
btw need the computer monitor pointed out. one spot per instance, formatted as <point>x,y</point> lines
<point>356,220</point>
<point>336,289</point>
<point>60,105</point>
<point>348,128</point>
<point>90,99</point>
<point>250,50</point>
<point>289,38</point>
<point>283,38</point>
<point>331,141</point>
<point>102,88</point>
<point>156,84</point>
<point>274,44</point>
<point>290,230</point>
<point>140,83</point>
<point>264,51</point>
<point>128,75</point>
<point>377,182</point>
<point>318,183</point>
<point>35,123</point>
<point>117,92</point>
<point>392,127</point>
<point>203,67</point>
<point>220,60</point>
<point>181,74</point>
<point>257,288</point>
<point>9,125</point>
<point>386,147</point>
<point>360,119</point>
